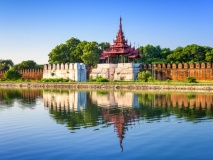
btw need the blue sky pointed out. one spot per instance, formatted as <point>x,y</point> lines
<point>30,29</point>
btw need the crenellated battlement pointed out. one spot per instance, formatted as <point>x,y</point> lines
<point>201,71</point>
<point>72,71</point>
<point>126,71</point>
<point>66,66</point>
<point>177,66</point>
<point>2,74</point>
<point>33,74</point>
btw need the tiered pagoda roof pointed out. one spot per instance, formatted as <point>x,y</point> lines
<point>120,47</point>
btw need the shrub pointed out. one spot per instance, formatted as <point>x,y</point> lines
<point>91,79</point>
<point>12,74</point>
<point>143,76</point>
<point>191,80</point>
<point>168,80</point>
<point>98,79</point>
<point>54,80</point>
<point>150,79</point>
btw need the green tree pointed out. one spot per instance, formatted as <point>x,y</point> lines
<point>91,53</point>
<point>12,74</point>
<point>6,64</point>
<point>189,53</point>
<point>150,54</point>
<point>64,53</point>
<point>165,52</point>
<point>176,56</point>
<point>151,51</point>
<point>104,45</point>
<point>29,64</point>
<point>78,52</point>
<point>72,45</point>
<point>209,56</point>
<point>60,54</point>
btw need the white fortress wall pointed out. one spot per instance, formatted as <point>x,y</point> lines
<point>127,71</point>
<point>105,70</point>
<point>72,71</point>
<point>120,71</point>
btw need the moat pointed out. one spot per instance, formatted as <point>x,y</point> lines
<point>99,124</point>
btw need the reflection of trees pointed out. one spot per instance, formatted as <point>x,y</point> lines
<point>8,96</point>
<point>192,107</point>
<point>24,97</point>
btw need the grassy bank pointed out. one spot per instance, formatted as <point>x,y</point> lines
<point>199,83</point>
<point>170,86</point>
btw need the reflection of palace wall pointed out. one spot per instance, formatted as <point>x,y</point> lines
<point>26,94</point>
<point>69,100</point>
<point>120,99</point>
<point>31,94</point>
<point>184,100</point>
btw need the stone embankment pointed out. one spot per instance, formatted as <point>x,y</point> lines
<point>105,86</point>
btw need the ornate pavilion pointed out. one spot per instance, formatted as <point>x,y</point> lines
<point>120,51</point>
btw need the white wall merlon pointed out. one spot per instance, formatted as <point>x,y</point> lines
<point>72,71</point>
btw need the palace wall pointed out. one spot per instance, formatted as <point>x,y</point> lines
<point>32,74</point>
<point>72,71</point>
<point>2,74</point>
<point>179,72</point>
<point>120,71</point>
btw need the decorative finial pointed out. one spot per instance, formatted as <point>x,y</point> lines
<point>120,22</point>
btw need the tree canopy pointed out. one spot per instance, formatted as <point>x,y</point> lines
<point>6,64</point>
<point>29,64</point>
<point>91,53</point>
<point>76,51</point>
<point>190,53</point>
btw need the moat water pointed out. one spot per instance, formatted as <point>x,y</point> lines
<point>66,124</point>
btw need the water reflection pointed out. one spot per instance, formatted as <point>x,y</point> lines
<point>114,99</point>
<point>121,119</point>
<point>24,97</point>
<point>88,109</point>
<point>122,109</point>
<point>100,109</point>
<point>190,106</point>
<point>65,99</point>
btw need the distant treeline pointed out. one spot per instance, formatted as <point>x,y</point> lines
<point>190,54</point>
<point>8,63</point>
<point>75,50</point>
